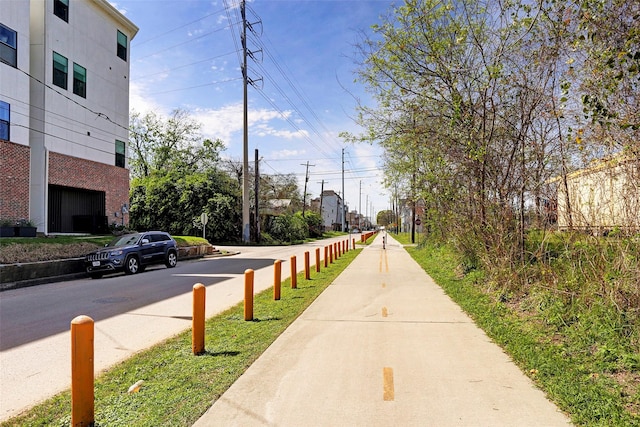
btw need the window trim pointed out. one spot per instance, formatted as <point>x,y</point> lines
<point>9,47</point>
<point>80,85</point>
<point>122,49</point>
<point>61,9</point>
<point>65,71</point>
<point>5,106</point>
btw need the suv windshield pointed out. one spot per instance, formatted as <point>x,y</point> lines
<point>129,239</point>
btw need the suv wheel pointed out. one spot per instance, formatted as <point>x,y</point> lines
<point>172,259</point>
<point>131,265</point>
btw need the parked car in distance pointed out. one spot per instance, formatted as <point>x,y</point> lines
<point>132,253</point>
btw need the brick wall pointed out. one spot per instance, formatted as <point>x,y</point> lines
<point>14,181</point>
<point>79,173</point>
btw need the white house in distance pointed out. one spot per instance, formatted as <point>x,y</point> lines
<point>64,113</point>
<point>331,209</point>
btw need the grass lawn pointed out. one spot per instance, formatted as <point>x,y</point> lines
<point>179,387</point>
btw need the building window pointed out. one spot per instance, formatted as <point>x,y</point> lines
<point>120,153</point>
<point>79,80</point>
<point>122,46</point>
<point>61,9</point>
<point>60,67</point>
<point>4,121</point>
<point>8,46</point>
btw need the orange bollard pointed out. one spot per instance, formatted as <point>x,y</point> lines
<point>294,273</point>
<point>344,246</point>
<point>353,246</point>
<point>339,245</point>
<point>277,279</point>
<point>317,260</point>
<point>197,321</point>
<point>248,294</point>
<point>82,398</point>
<point>326,256</point>
<point>307,272</point>
<point>330,254</point>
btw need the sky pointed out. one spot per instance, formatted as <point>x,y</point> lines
<point>187,55</point>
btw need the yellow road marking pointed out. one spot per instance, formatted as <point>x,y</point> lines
<point>386,261</point>
<point>384,285</point>
<point>388,391</point>
<point>384,312</point>
<point>383,255</point>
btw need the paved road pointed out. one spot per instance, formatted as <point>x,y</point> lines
<point>383,345</point>
<point>131,313</point>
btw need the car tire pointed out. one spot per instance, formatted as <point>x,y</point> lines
<point>131,265</point>
<point>171,260</point>
<point>96,275</point>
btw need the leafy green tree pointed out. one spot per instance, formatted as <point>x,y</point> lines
<point>288,228</point>
<point>173,143</point>
<point>177,176</point>
<point>464,92</point>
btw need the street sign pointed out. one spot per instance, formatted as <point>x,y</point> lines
<point>204,219</point>
<point>418,222</point>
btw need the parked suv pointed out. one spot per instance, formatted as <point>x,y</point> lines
<point>132,253</point>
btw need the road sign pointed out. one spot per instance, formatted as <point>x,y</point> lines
<point>204,218</point>
<point>418,222</point>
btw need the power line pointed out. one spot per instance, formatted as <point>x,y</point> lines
<point>178,28</point>
<point>183,66</point>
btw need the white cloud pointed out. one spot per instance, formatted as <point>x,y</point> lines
<point>286,154</point>
<point>141,103</point>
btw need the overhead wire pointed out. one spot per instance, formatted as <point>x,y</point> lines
<point>177,28</point>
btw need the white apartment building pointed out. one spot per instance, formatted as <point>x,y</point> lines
<point>332,210</point>
<point>64,113</point>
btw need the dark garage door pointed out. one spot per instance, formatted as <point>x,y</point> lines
<point>74,210</point>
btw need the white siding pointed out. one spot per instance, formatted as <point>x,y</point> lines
<point>77,126</point>
<point>14,83</point>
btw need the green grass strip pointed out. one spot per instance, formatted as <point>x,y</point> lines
<point>568,378</point>
<point>179,387</point>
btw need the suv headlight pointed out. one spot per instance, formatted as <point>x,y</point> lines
<point>116,253</point>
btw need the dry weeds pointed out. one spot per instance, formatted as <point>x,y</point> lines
<point>20,253</point>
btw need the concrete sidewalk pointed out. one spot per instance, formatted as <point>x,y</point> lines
<point>383,345</point>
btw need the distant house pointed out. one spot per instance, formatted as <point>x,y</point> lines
<point>406,215</point>
<point>64,113</point>
<point>602,197</point>
<point>277,206</point>
<point>331,209</point>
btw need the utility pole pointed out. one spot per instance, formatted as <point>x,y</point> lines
<point>321,197</point>
<point>246,195</point>
<point>366,210</point>
<point>304,195</point>
<point>343,200</point>
<point>257,201</point>
<point>246,228</point>
<point>360,206</point>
